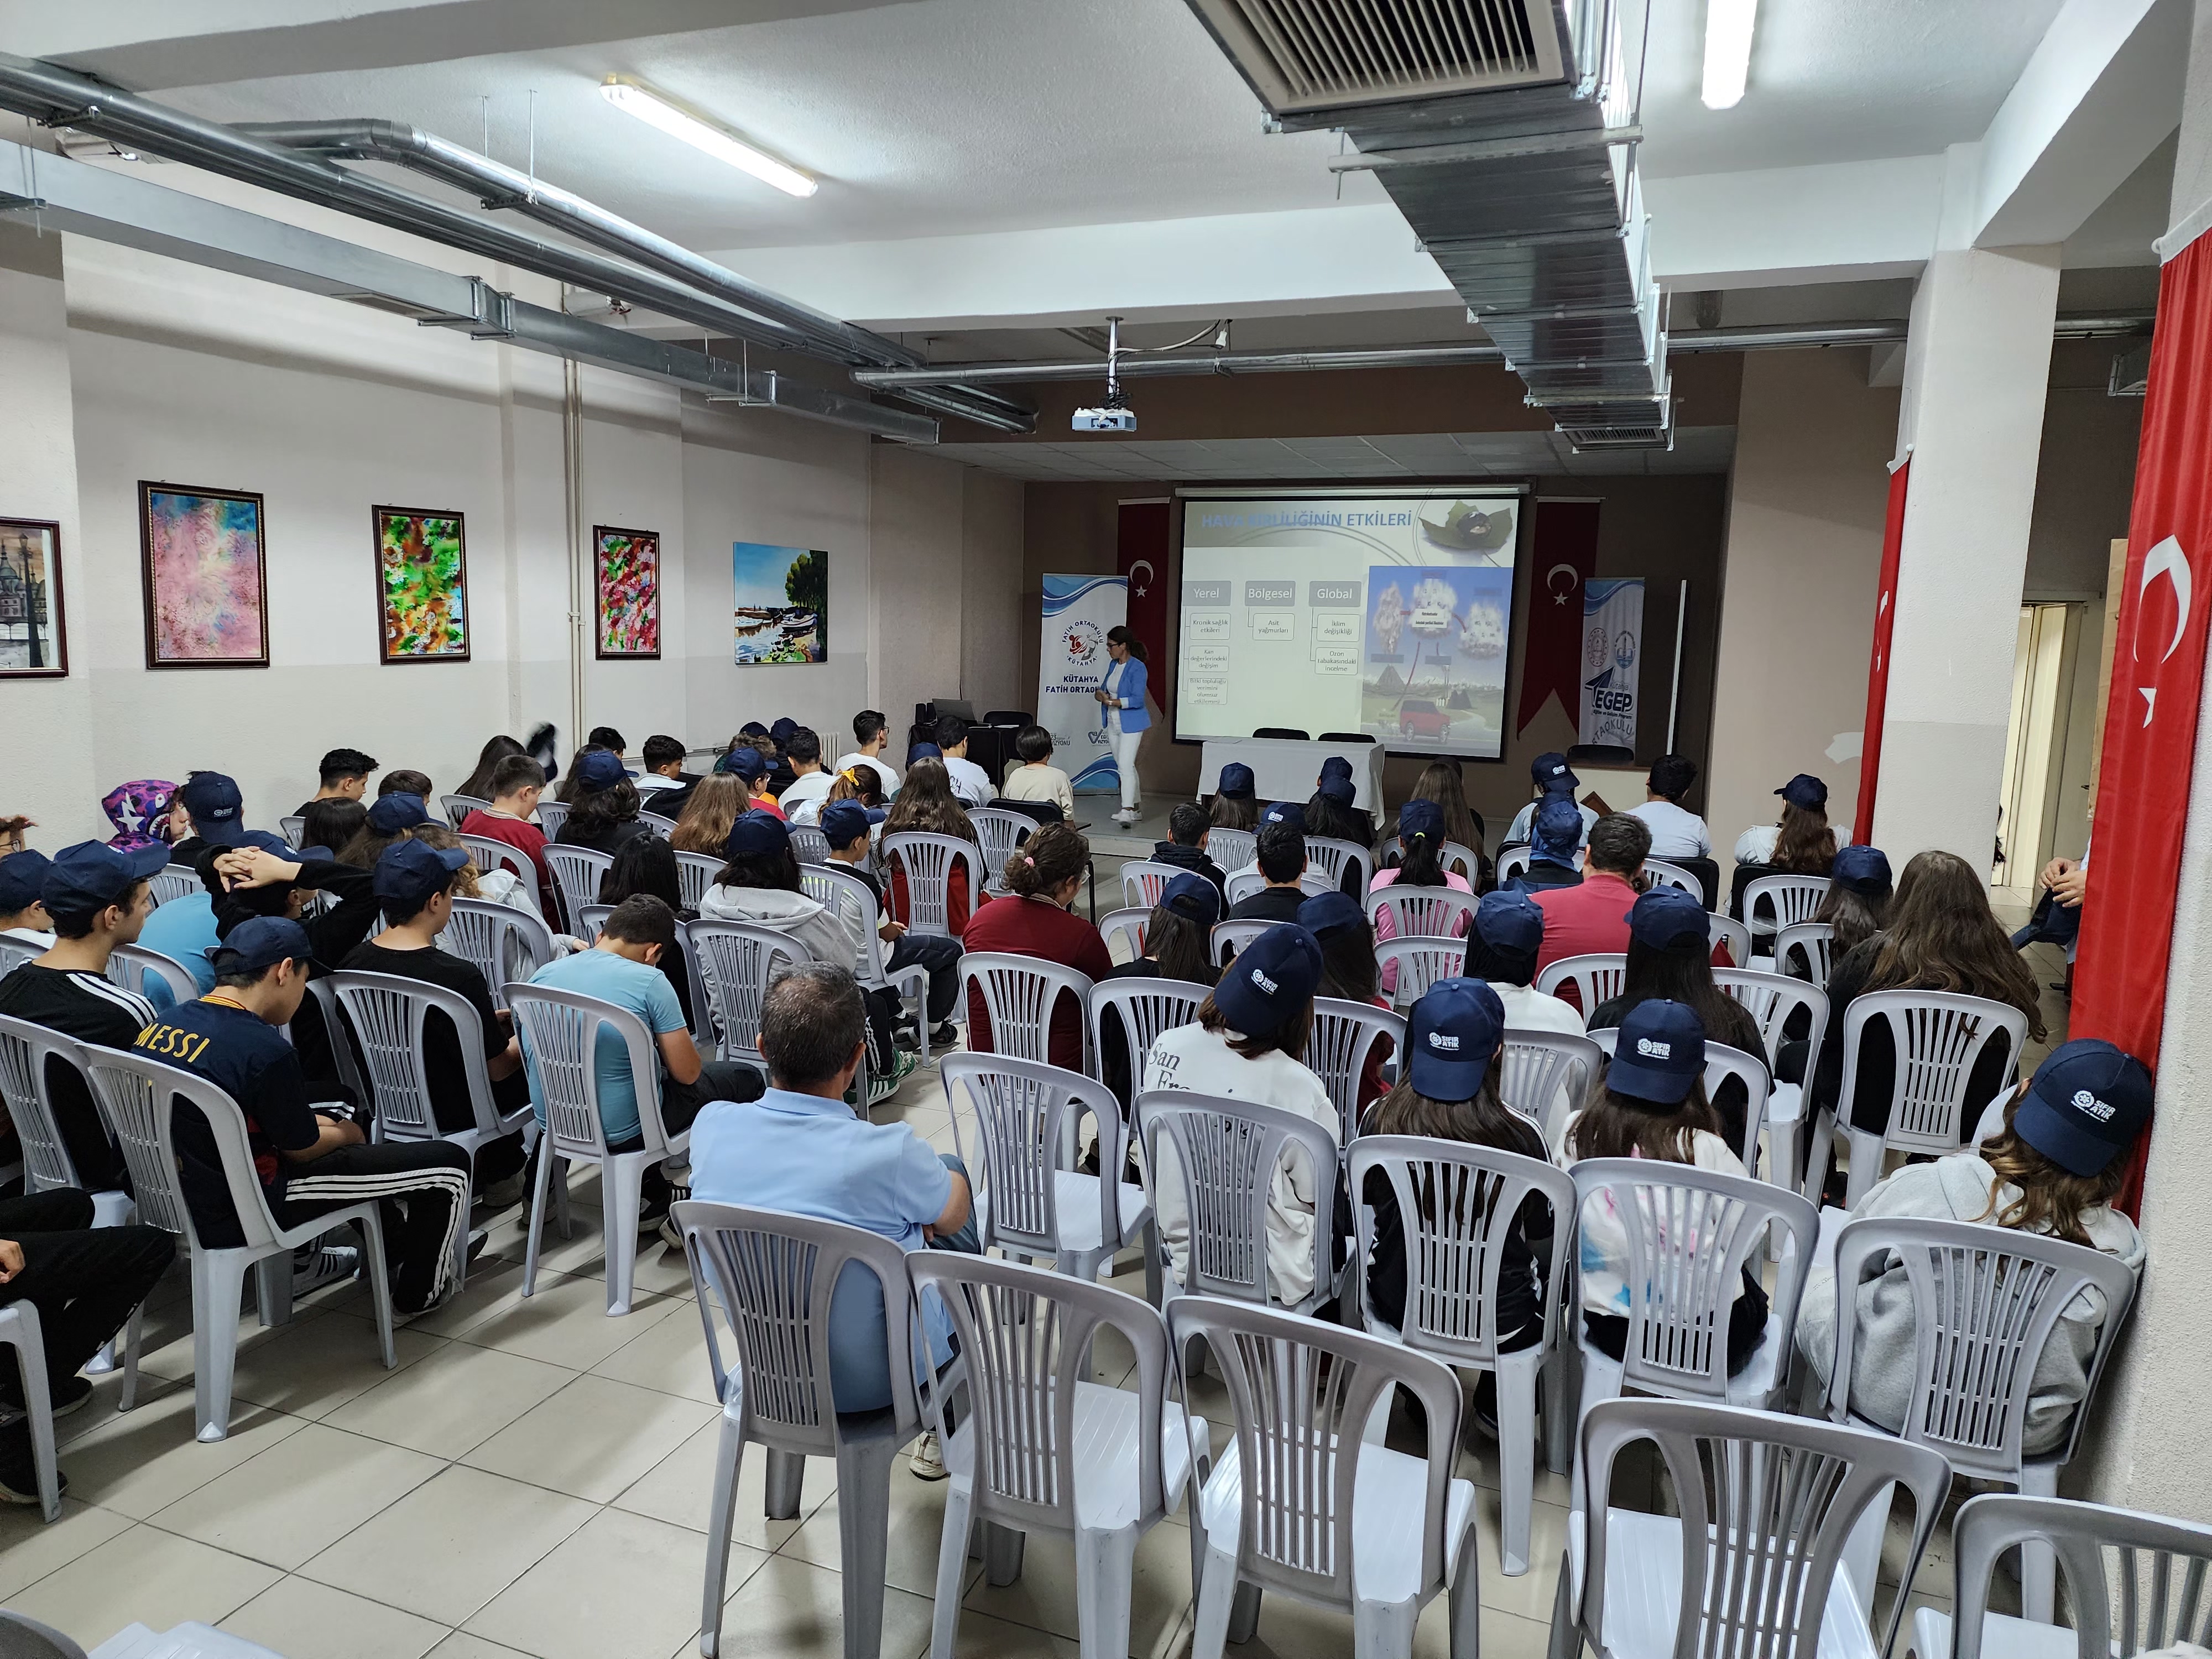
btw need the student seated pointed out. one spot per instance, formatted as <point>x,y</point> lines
<point>1421,847</point>
<point>605,737</point>
<point>1800,844</point>
<point>478,785</point>
<point>846,824</point>
<point>1248,1042</point>
<point>310,1162</point>
<point>646,864</point>
<point>750,768</point>
<point>415,883</point>
<point>22,911</point>
<point>1235,803</point>
<point>799,1147</point>
<point>207,811</point>
<point>1854,908</point>
<point>98,898</point>
<point>1281,854</point>
<point>623,968</point>
<point>1330,813</point>
<point>1439,782</point>
<point>783,775</point>
<point>1551,777</point>
<point>1651,1104</point>
<point>2061,1158</point>
<point>1348,974</point>
<point>1036,778</point>
<point>262,877</point>
<point>390,818</point>
<point>344,777</point>
<point>871,734</point>
<point>1045,875</point>
<point>663,767</point>
<point>516,783</point>
<point>971,784</point>
<point>84,1282</point>
<point>1185,847</point>
<point>802,798</point>
<point>1176,947</point>
<point>184,930</point>
<point>1593,918</point>
<point>1502,948</point>
<point>603,813</point>
<point>926,806</point>
<point>1557,826</point>
<point>331,824</point>
<point>709,812</point>
<point>1676,833</point>
<point>406,782</point>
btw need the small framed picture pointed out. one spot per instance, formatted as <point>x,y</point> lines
<point>33,642</point>
<point>205,569</point>
<point>628,563</point>
<point>421,586</point>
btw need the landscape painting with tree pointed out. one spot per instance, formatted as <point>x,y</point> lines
<point>780,604</point>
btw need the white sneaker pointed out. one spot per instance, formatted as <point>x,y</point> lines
<point>1125,815</point>
<point>928,1460</point>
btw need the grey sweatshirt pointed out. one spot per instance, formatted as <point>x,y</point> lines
<point>823,935</point>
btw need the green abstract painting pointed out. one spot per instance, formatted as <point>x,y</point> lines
<point>421,586</point>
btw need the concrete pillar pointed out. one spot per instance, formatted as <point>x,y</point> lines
<point>1977,361</point>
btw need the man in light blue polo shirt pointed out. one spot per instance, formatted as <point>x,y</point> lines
<point>799,1148</point>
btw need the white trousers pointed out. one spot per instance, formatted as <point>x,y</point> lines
<point>1125,761</point>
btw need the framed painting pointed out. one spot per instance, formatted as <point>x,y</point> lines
<point>781,603</point>
<point>628,582</point>
<point>421,586</point>
<point>33,643</point>
<point>205,569</point>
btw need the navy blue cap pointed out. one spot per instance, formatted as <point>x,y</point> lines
<point>1667,915</point>
<point>2086,1105</point>
<point>1193,898</point>
<point>1806,790</point>
<point>1420,817</point>
<point>277,846</point>
<point>752,729</point>
<point>1659,1054</point>
<point>1324,913</point>
<point>1510,921</point>
<point>22,879</point>
<point>756,833</point>
<point>392,813</point>
<point>258,945</point>
<point>844,821</point>
<point>784,730</point>
<point>1336,767</point>
<point>1551,773</point>
<point>602,769</point>
<point>745,762</point>
<point>1557,830</point>
<point>924,751</point>
<point>1272,979</point>
<point>1451,1036</point>
<point>1287,812</point>
<point>1236,781</point>
<point>410,873</point>
<point>1865,870</point>
<point>92,875</point>
<point>1342,791</point>
<point>216,807</point>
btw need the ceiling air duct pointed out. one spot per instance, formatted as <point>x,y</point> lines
<point>1504,130</point>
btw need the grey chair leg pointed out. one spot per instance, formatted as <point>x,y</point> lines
<point>1244,1613</point>
<point>864,1519</point>
<point>787,1471</point>
<point>272,1284</point>
<point>1002,1555</point>
<point>1562,1394</point>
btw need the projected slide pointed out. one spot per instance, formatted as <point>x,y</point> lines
<point>1382,611</point>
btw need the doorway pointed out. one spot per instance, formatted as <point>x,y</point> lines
<point>2036,738</point>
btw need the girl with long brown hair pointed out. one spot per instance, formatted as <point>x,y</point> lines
<point>925,806</point>
<point>717,802</point>
<point>2054,1167</point>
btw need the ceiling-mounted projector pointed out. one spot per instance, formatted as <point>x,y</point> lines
<point>1109,417</point>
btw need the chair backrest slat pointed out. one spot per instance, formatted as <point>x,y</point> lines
<point>694,874</point>
<point>1774,1001</point>
<point>1000,831</point>
<point>1782,900</point>
<point>458,807</point>
<point>1547,1075</point>
<point>1231,849</point>
<point>551,815</point>
<point>849,897</point>
<point>25,1052</point>
<point>136,1097</point>
<point>927,861</point>
<point>1146,1008</point>
<point>1344,1035</point>
<point>1019,995</point>
<point>1812,942</point>
<point>1423,912</point>
<point>737,960</point>
<point>1332,856</point>
<point>2163,1567</point>
<point>1597,977</point>
<point>1664,874</point>
<point>1142,881</point>
<point>1232,933</point>
<point>809,845</point>
<point>559,1032</point>
<point>576,872</point>
<point>504,943</point>
<point>177,881</point>
<point>387,1015</point>
<point>1421,962</point>
<point>132,966</point>
<point>1126,927</point>
<point>1224,1153</point>
<point>1938,1037</point>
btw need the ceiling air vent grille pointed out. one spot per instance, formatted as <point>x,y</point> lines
<point>1304,55</point>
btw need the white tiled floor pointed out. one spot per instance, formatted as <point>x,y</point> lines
<point>533,1479</point>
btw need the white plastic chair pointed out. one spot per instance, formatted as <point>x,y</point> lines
<point>1784,902</point>
<point>488,853</point>
<point>1722,1063</point>
<point>1225,1154</point>
<point>808,844</point>
<point>2162,1566</point>
<point>387,1013</point>
<point>1145,1007</point>
<point>1461,860</point>
<point>1028,1201</point>
<point>1751,1563</point>
<point>1125,927</point>
<point>457,808</point>
<point>1142,881</point>
<point>576,873</point>
<point>1456,1203</point>
<point>1019,995</point>
<point>772,1274</point>
<point>1421,962</point>
<point>853,901</point>
<point>1512,862</point>
<point>1937,1036</point>
<point>927,861</point>
<point>1664,874</point>
<point>1597,977</point>
<point>1986,1302</point>
<point>1774,999</point>
<point>1344,1034</point>
<point>1547,1075</point>
<point>1230,849</point>
<point>137,1096</point>
<point>1242,883</point>
<point>737,960</point>
<point>292,828</point>
<point>1332,856</point>
<point>131,965</point>
<point>1232,933</point>
<point>14,953</point>
<point>664,826</point>
<point>19,1329</point>
<point>1812,941</point>
<point>1423,912</point>
<point>1325,1517</point>
<point>591,920</point>
<point>1044,1450</point>
<point>504,943</point>
<point>1727,930</point>
<point>174,882</point>
<point>694,874</point>
<point>551,815</point>
<point>560,1033</point>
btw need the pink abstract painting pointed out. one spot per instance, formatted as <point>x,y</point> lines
<point>204,570</point>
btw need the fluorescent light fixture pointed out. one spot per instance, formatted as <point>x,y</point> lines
<point>653,110</point>
<point>1728,51</point>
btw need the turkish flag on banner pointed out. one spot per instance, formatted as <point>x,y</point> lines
<point>1885,619</point>
<point>1141,554</point>
<point>1564,556</point>
<point>2158,673</point>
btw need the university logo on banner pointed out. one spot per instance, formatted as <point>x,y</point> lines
<point>1613,658</point>
<point>1072,666</point>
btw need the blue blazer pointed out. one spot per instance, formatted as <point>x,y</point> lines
<point>1132,688</point>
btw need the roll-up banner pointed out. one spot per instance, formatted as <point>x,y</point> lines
<point>1071,668</point>
<point>1612,658</point>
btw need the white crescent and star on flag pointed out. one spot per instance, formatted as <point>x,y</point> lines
<point>2167,560</point>
<point>1138,583</point>
<point>1559,594</point>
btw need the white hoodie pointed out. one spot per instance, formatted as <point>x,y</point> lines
<point>824,936</point>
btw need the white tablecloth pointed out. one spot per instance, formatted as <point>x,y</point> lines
<point>1285,769</point>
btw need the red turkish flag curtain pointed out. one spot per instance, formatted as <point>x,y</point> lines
<point>1140,553</point>
<point>1885,618</point>
<point>1563,556</point>
<point>2158,673</point>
